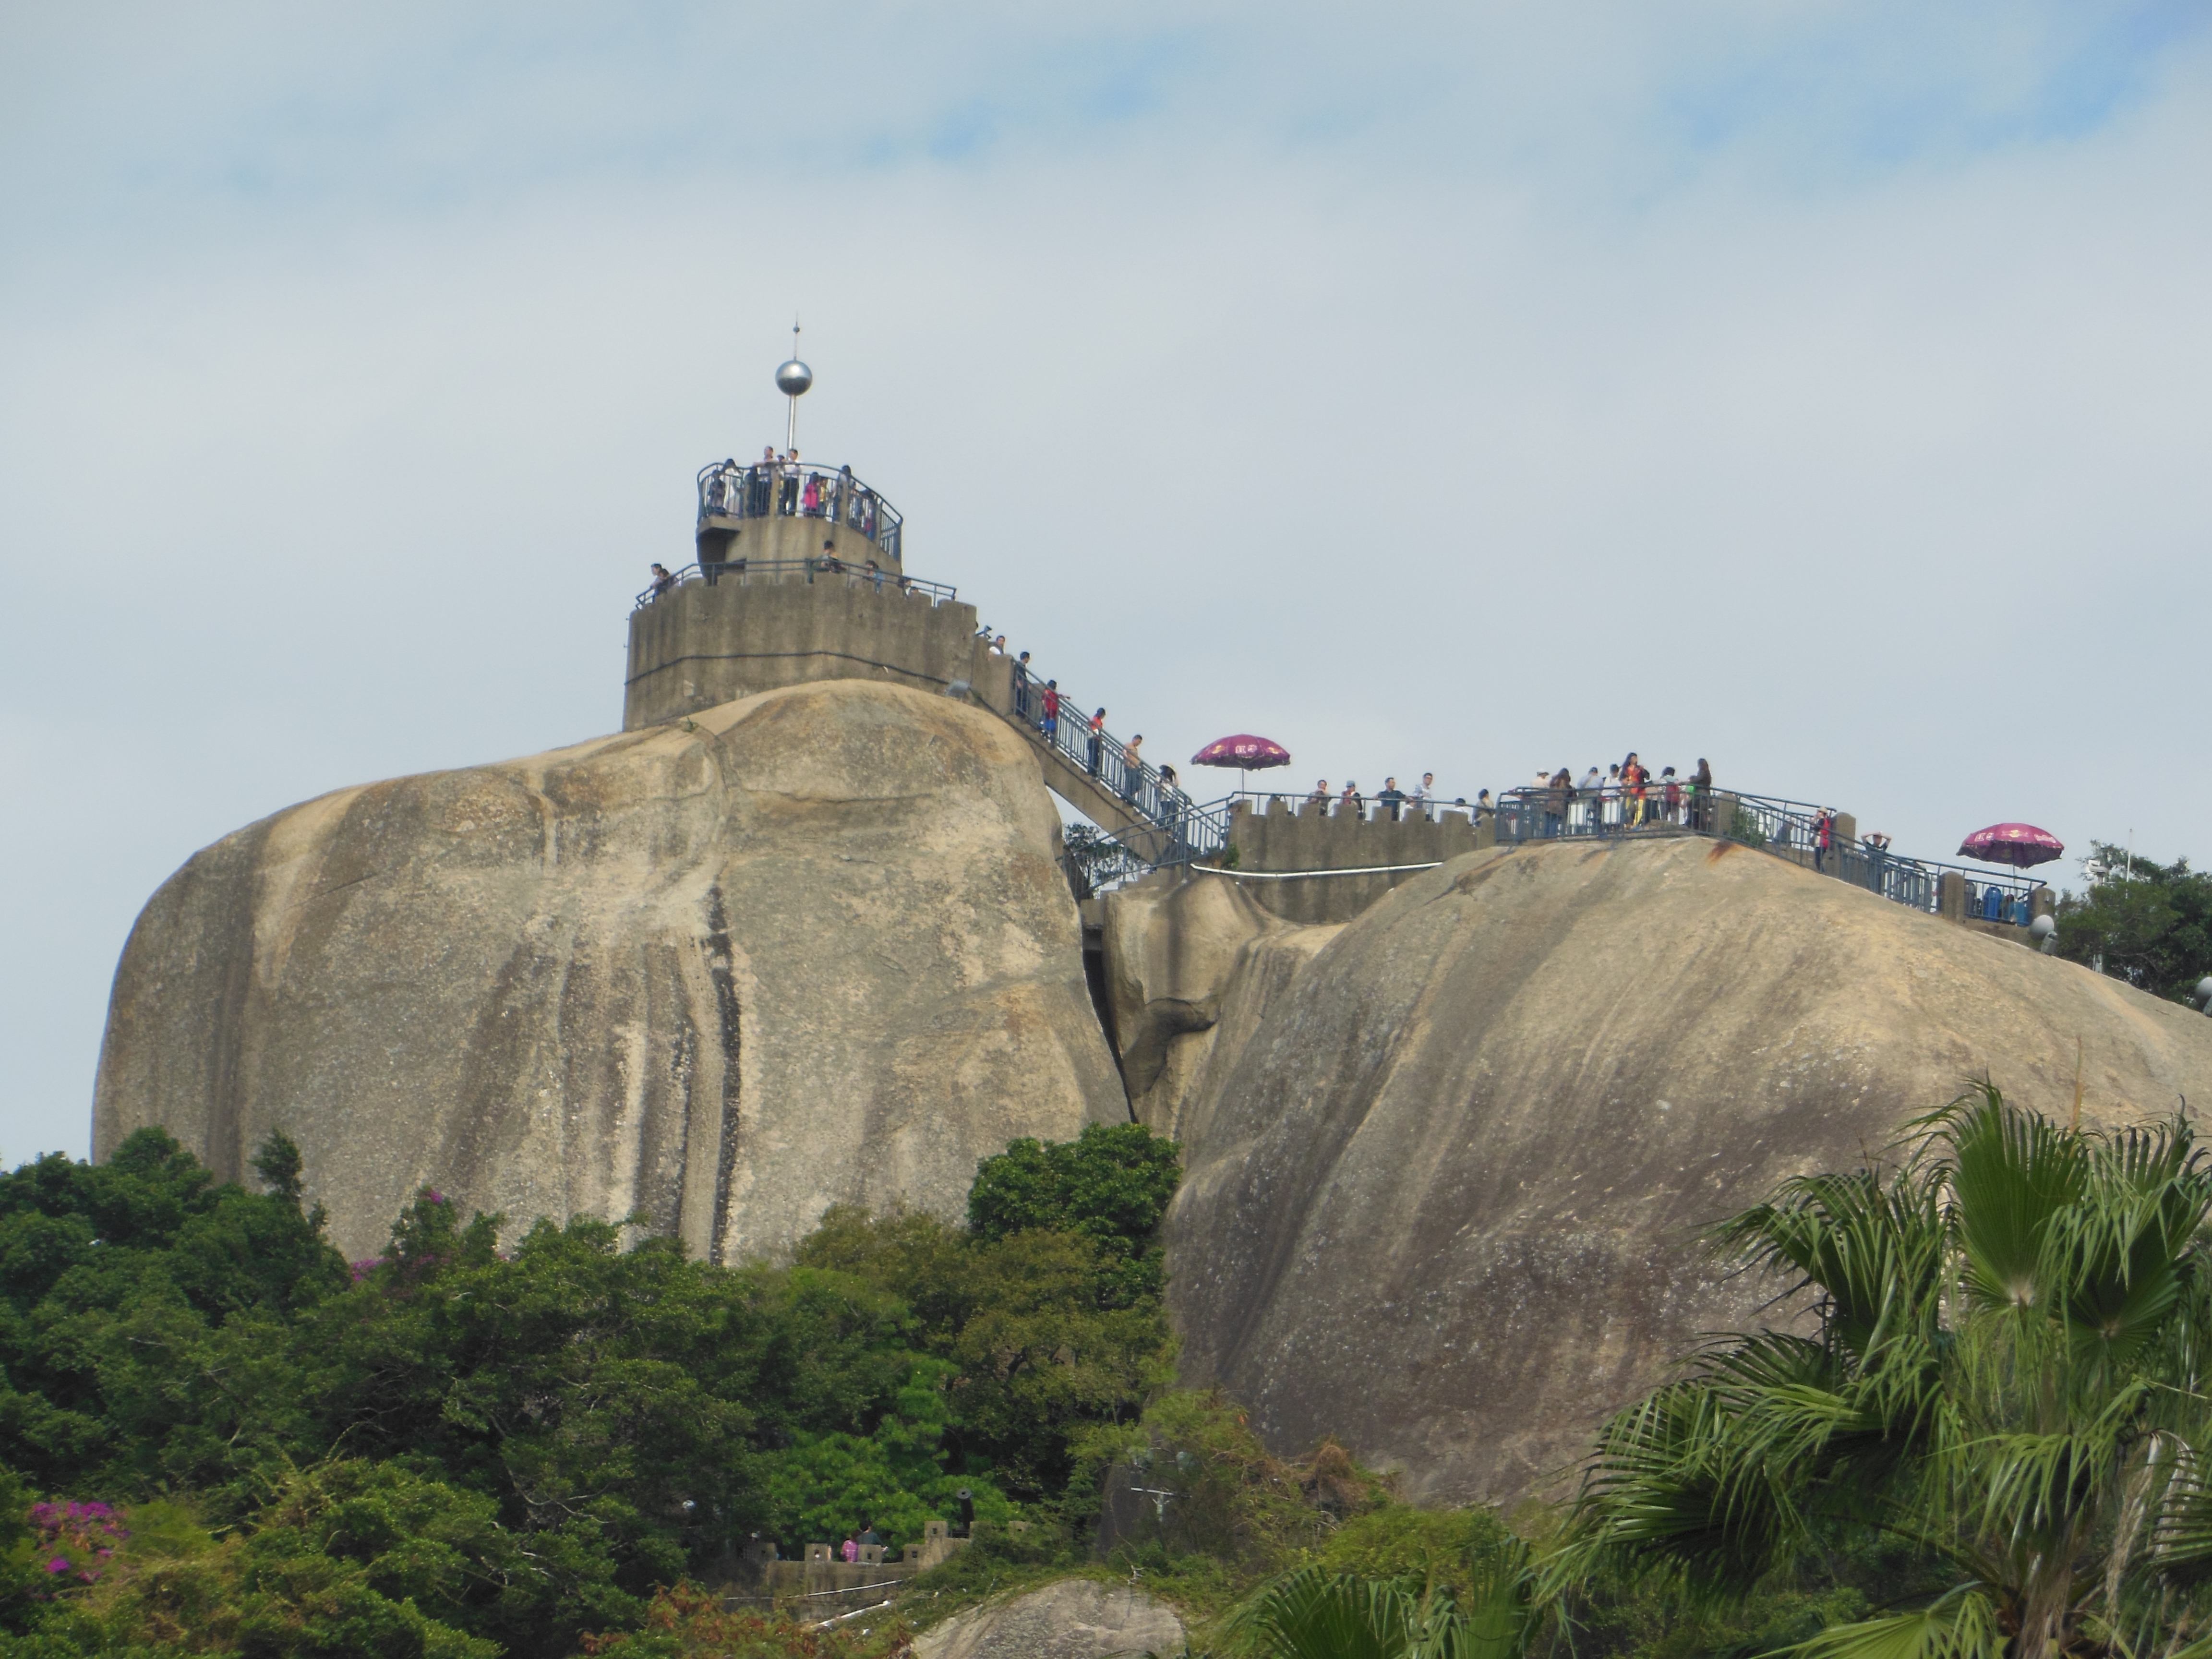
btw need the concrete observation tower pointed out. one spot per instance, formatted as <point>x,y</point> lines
<point>800,575</point>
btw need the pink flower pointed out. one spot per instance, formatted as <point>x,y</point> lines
<point>59,1563</point>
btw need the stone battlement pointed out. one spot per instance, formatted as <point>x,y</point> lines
<point>742,633</point>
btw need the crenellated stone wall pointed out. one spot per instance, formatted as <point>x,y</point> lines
<point>711,642</point>
<point>1318,835</point>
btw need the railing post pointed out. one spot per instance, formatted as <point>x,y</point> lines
<point>1951,895</point>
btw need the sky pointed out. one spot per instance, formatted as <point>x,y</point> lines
<point>1821,389</point>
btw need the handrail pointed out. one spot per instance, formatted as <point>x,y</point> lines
<point>743,572</point>
<point>1173,829</point>
<point>777,489</point>
<point>1781,827</point>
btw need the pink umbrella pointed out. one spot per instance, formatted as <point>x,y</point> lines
<point>2017,844</point>
<point>1243,751</point>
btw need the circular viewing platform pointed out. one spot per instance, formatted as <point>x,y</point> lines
<point>777,495</point>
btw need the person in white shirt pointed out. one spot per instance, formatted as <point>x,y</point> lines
<point>1424,792</point>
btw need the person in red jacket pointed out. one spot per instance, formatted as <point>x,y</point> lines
<point>1051,709</point>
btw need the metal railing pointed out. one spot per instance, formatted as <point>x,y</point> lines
<point>813,572</point>
<point>767,489</point>
<point>1788,829</point>
<point>1175,827</point>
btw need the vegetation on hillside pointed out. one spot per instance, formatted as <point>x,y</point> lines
<point>461,1448</point>
<point>2148,923</point>
<point>1979,1428</point>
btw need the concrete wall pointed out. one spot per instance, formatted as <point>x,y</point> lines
<point>709,643</point>
<point>1312,836</point>
<point>722,539</point>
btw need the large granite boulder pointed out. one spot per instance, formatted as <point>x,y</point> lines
<point>1073,1619</point>
<point>1445,1171</point>
<point>807,948</point>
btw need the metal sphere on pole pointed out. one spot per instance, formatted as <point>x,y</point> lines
<point>793,377</point>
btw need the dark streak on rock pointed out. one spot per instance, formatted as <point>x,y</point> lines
<point>721,969</point>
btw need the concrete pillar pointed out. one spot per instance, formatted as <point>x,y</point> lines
<point>1951,895</point>
<point>2041,903</point>
<point>1720,813</point>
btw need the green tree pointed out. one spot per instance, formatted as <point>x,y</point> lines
<point>2148,923</point>
<point>2007,1379</point>
<point>1111,1185</point>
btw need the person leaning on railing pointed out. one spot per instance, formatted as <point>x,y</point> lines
<point>662,582</point>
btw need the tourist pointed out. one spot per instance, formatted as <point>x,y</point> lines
<point>1320,796</point>
<point>662,582</point>
<point>1022,685</point>
<point>1349,802</point>
<point>811,502</point>
<point>761,484</point>
<point>1425,794</point>
<point>1172,808</point>
<point>869,1538</point>
<point>789,468</point>
<point>1132,767</point>
<point>1611,798</point>
<point>999,646</point>
<point>1558,791</point>
<point>1701,783</point>
<point>850,1550</point>
<point>830,558</point>
<point>1633,778</point>
<point>1391,798</point>
<point>1097,740</point>
<point>1824,829</point>
<point>876,576</point>
<point>1051,710</point>
<point>1670,796</point>
<point>1582,814</point>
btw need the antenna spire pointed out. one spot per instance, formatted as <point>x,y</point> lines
<point>791,379</point>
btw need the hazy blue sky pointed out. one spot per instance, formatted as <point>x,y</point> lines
<point>1814,388</point>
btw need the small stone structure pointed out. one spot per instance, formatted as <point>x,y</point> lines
<point>757,1573</point>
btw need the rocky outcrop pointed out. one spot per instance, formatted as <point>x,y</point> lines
<point>1445,1172</point>
<point>1192,964</point>
<point>807,948</point>
<point>1073,1619</point>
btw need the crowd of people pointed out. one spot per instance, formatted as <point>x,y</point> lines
<point>778,484</point>
<point>1626,796</point>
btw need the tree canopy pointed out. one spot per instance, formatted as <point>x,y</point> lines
<point>475,1444</point>
<point>2148,923</point>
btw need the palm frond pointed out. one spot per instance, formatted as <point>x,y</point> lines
<point>1312,1614</point>
<point>2009,1172</point>
<point>1961,1624</point>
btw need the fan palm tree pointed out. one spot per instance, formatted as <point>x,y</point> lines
<point>2005,1378</point>
<point>1313,1614</point>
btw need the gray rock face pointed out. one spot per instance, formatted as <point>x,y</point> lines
<point>814,949</point>
<point>1074,1619</point>
<point>1444,1173</point>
